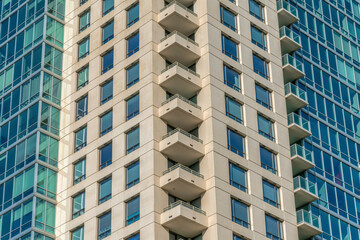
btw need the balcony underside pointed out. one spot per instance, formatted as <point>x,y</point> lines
<point>300,164</point>
<point>302,197</point>
<point>297,133</point>
<point>307,231</point>
<point>288,45</point>
<point>291,73</point>
<point>293,102</point>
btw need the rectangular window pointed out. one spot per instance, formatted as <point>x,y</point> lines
<point>273,228</point>
<point>263,96</point>
<point>132,174</point>
<point>107,61</point>
<point>132,15</point>
<point>258,37</point>
<point>132,44</point>
<point>271,194</point>
<point>132,210</point>
<point>106,123</point>
<point>79,171</point>
<point>80,138</point>
<point>229,47</point>
<point>135,237</point>
<point>83,77</point>
<point>132,140</point>
<point>256,10</point>
<point>266,127</point>
<point>132,75</point>
<point>240,213</point>
<point>231,78</point>
<point>108,32</point>
<point>81,107</point>
<point>105,156</point>
<point>237,238</point>
<point>78,234</point>
<point>104,226</point>
<point>105,190</point>
<point>108,6</point>
<point>132,107</point>
<point>237,177</point>
<point>227,18</point>
<point>261,66</point>
<point>84,48</point>
<point>268,160</point>
<point>233,109</point>
<point>235,142</point>
<point>106,92</point>
<point>84,20</point>
<point>78,205</point>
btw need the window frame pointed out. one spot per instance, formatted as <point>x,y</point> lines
<point>242,222</point>
<point>276,202</point>
<point>110,66</point>
<point>108,162</point>
<point>233,181</point>
<point>227,109</point>
<point>262,45</point>
<point>136,215</point>
<point>230,147</point>
<point>270,123</point>
<point>268,96</point>
<point>222,20</point>
<point>83,112</point>
<point>227,53</point>
<point>272,169</point>
<point>104,234</point>
<point>82,161</point>
<point>110,96</point>
<point>133,113</point>
<point>110,127</point>
<point>82,199</point>
<point>87,12</point>
<point>136,49</point>
<point>135,20</point>
<point>111,36</point>
<point>109,195</point>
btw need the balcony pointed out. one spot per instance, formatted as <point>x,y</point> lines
<point>308,224</point>
<point>179,177</point>
<point>181,112</point>
<point>305,191</point>
<point>301,159</point>
<point>299,127</point>
<point>177,75</point>
<point>184,219</point>
<point>295,97</point>
<point>177,17</point>
<point>287,13</point>
<point>182,147</point>
<point>292,68</point>
<point>290,41</point>
<point>176,47</point>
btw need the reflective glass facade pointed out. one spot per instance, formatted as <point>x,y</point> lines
<point>31,41</point>
<point>330,38</point>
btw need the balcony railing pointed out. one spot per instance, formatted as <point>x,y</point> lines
<point>184,133</point>
<point>178,165</point>
<point>185,204</point>
<point>181,98</point>
<point>180,5</point>
<point>287,6</point>
<point>180,35</point>
<point>304,216</point>
<point>285,31</point>
<point>288,59</point>
<point>294,118</point>
<point>181,66</point>
<point>300,182</point>
<point>296,149</point>
<point>291,88</point>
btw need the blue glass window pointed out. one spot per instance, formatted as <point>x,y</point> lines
<point>266,127</point>
<point>106,92</point>
<point>106,123</point>
<point>233,109</point>
<point>236,143</point>
<point>135,237</point>
<point>268,160</point>
<point>84,48</point>
<point>228,18</point>
<point>78,234</point>
<point>132,174</point>
<point>132,44</point>
<point>271,194</point>
<point>261,66</point>
<point>81,107</point>
<point>258,37</point>
<point>237,177</point>
<point>83,77</point>
<point>231,78</point>
<point>273,228</point>
<point>84,20</point>
<point>105,156</point>
<point>263,96</point>
<point>104,226</point>
<point>79,171</point>
<point>240,213</point>
<point>133,15</point>
<point>78,205</point>
<point>105,190</point>
<point>133,210</point>
<point>108,32</point>
<point>132,107</point>
<point>132,140</point>
<point>80,138</point>
<point>237,238</point>
<point>108,6</point>
<point>256,9</point>
<point>229,47</point>
<point>107,61</point>
<point>132,75</point>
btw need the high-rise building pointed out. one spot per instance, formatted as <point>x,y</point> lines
<point>186,119</point>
